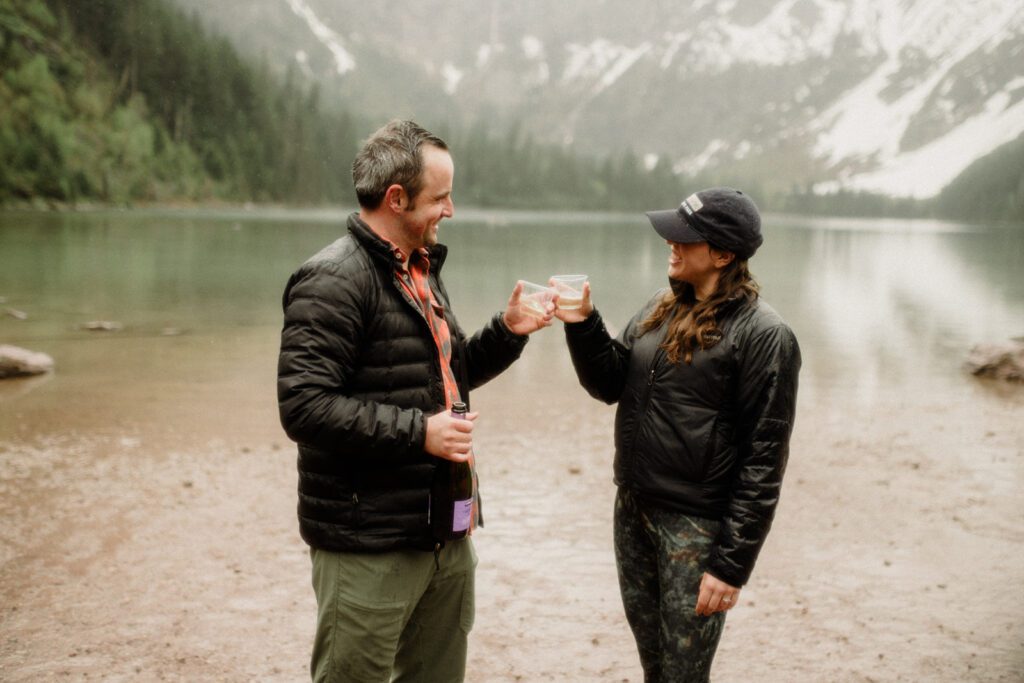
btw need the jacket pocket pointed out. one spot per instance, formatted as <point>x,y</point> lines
<point>356,516</point>
<point>719,452</point>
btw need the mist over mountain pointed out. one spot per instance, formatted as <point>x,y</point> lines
<point>873,95</point>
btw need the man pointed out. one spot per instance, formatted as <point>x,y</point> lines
<point>371,358</point>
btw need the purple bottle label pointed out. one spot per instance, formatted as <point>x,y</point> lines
<point>462,514</point>
<point>462,510</point>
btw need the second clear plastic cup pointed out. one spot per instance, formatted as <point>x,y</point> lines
<point>570,290</point>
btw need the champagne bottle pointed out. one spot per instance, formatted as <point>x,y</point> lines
<point>451,494</point>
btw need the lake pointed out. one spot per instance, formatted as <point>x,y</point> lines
<point>879,306</point>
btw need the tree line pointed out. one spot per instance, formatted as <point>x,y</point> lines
<point>122,102</point>
<point>990,188</point>
<point>125,101</point>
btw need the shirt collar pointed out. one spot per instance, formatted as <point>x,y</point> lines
<point>419,255</point>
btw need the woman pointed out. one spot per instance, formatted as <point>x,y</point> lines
<point>705,378</point>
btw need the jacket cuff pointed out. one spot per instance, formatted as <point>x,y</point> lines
<point>584,327</point>
<point>508,334</point>
<point>728,572</point>
<point>419,431</point>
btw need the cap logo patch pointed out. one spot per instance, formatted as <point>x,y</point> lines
<point>694,203</point>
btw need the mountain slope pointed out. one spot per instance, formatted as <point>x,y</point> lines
<point>855,94</point>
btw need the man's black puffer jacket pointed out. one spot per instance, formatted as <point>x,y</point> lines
<point>709,439</point>
<point>358,375</point>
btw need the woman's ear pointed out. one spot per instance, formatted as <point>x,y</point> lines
<point>722,258</point>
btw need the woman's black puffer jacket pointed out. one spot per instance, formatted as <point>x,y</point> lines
<point>708,439</point>
<point>358,374</point>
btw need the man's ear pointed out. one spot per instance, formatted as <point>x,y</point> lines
<point>395,198</point>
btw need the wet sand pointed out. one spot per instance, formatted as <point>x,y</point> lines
<point>149,533</point>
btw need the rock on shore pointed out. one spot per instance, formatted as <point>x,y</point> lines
<point>17,362</point>
<point>998,361</point>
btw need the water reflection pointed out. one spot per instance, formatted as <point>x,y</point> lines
<point>879,306</point>
<point>883,311</point>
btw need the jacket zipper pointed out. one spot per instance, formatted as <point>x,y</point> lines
<point>648,390</point>
<point>436,362</point>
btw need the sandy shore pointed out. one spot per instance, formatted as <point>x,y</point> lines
<point>150,535</point>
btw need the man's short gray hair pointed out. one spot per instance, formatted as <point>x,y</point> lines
<point>392,155</point>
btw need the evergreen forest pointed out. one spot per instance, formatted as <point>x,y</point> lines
<point>127,102</point>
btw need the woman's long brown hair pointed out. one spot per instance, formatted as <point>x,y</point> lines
<point>693,324</point>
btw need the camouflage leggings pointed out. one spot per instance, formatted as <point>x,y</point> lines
<point>661,557</point>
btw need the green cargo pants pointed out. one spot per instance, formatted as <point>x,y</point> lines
<point>393,616</point>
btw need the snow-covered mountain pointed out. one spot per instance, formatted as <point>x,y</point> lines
<point>893,96</point>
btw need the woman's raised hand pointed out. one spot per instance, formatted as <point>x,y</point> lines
<point>576,315</point>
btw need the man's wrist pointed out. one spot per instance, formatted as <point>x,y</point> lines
<point>503,322</point>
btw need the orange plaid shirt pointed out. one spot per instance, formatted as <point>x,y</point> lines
<point>415,281</point>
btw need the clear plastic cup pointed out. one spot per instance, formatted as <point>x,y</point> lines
<point>535,298</point>
<point>570,290</point>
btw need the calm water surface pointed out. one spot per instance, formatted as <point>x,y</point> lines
<point>882,308</point>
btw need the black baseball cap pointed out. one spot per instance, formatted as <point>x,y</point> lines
<point>723,217</point>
